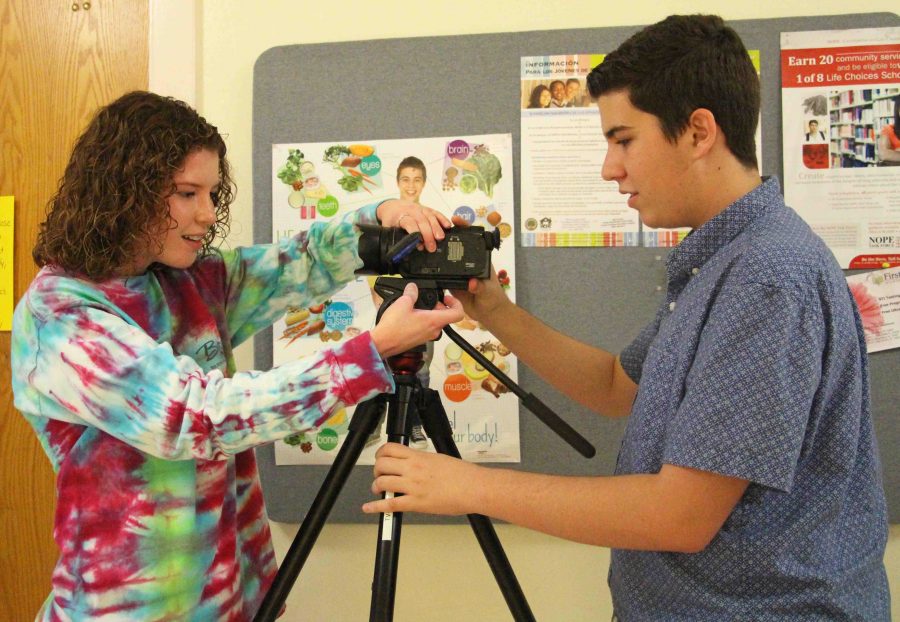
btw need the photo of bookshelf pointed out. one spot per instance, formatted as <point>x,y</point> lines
<point>856,117</point>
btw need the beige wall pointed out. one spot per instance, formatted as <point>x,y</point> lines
<point>442,575</point>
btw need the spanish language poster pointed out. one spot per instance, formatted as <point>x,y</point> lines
<point>564,199</point>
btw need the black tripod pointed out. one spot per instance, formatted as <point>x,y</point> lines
<point>409,403</point>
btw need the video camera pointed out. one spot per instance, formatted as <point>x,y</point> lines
<point>464,253</point>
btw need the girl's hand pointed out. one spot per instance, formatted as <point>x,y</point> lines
<point>402,326</point>
<point>414,217</point>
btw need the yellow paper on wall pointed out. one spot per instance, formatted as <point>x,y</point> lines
<point>6,262</point>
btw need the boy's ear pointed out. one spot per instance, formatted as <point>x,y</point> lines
<point>702,130</point>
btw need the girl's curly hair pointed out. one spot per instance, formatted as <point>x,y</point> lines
<point>111,200</point>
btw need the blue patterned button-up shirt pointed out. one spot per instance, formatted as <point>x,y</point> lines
<point>755,367</point>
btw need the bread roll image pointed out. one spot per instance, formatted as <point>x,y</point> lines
<point>295,317</point>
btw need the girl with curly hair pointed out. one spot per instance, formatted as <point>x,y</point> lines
<point>540,97</point>
<point>122,358</point>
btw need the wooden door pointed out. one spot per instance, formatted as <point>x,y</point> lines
<point>59,61</point>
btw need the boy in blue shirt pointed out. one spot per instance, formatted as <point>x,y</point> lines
<point>748,484</point>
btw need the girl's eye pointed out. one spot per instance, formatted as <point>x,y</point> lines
<point>188,194</point>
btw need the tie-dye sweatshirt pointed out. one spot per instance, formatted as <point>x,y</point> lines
<point>131,388</point>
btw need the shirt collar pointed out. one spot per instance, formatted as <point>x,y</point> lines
<point>704,242</point>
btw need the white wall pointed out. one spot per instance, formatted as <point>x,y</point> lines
<point>442,575</point>
<point>174,48</point>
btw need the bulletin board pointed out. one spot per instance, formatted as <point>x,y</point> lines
<point>470,84</point>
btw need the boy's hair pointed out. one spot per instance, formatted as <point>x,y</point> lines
<point>683,63</point>
<point>112,197</point>
<point>412,162</point>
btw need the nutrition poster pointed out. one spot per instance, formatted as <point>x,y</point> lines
<point>465,176</point>
<point>840,92</point>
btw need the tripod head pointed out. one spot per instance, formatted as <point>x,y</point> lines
<point>407,363</point>
<point>390,289</point>
<point>431,291</point>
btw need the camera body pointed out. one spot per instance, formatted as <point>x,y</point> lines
<point>464,253</point>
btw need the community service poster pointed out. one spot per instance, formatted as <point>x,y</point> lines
<point>840,91</point>
<point>564,199</point>
<point>465,176</point>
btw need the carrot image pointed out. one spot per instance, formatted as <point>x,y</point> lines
<point>312,329</point>
<point>294,329</point>
<point>365,177</point>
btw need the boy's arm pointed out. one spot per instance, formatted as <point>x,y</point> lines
<point>591,376</point>
<point>678,509</point>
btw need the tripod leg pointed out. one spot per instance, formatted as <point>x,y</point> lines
<point>434,418</point>
<point>362,424</point>
<point>387,553</point>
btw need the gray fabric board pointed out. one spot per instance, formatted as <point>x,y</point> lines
<point>469,84</point>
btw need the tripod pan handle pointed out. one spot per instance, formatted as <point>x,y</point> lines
<point>558,425</point>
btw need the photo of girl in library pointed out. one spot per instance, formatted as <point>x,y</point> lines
<point>889,139</point>
<point>863,121</point>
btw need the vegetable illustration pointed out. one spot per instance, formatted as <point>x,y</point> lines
<point>353,180</point>
<point>294,439</point>
<point>488,170</point>
<point>300,322</point>
<point>363,151</point>
<point>344,160</point>
<point>290,172</point>
<point>503,279</point>
<point>307,329</point>
<point>335,154</point>
<point>465,165</point>
<point>350,183</point>
<point>364,177</point>
<point>468,183</point>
